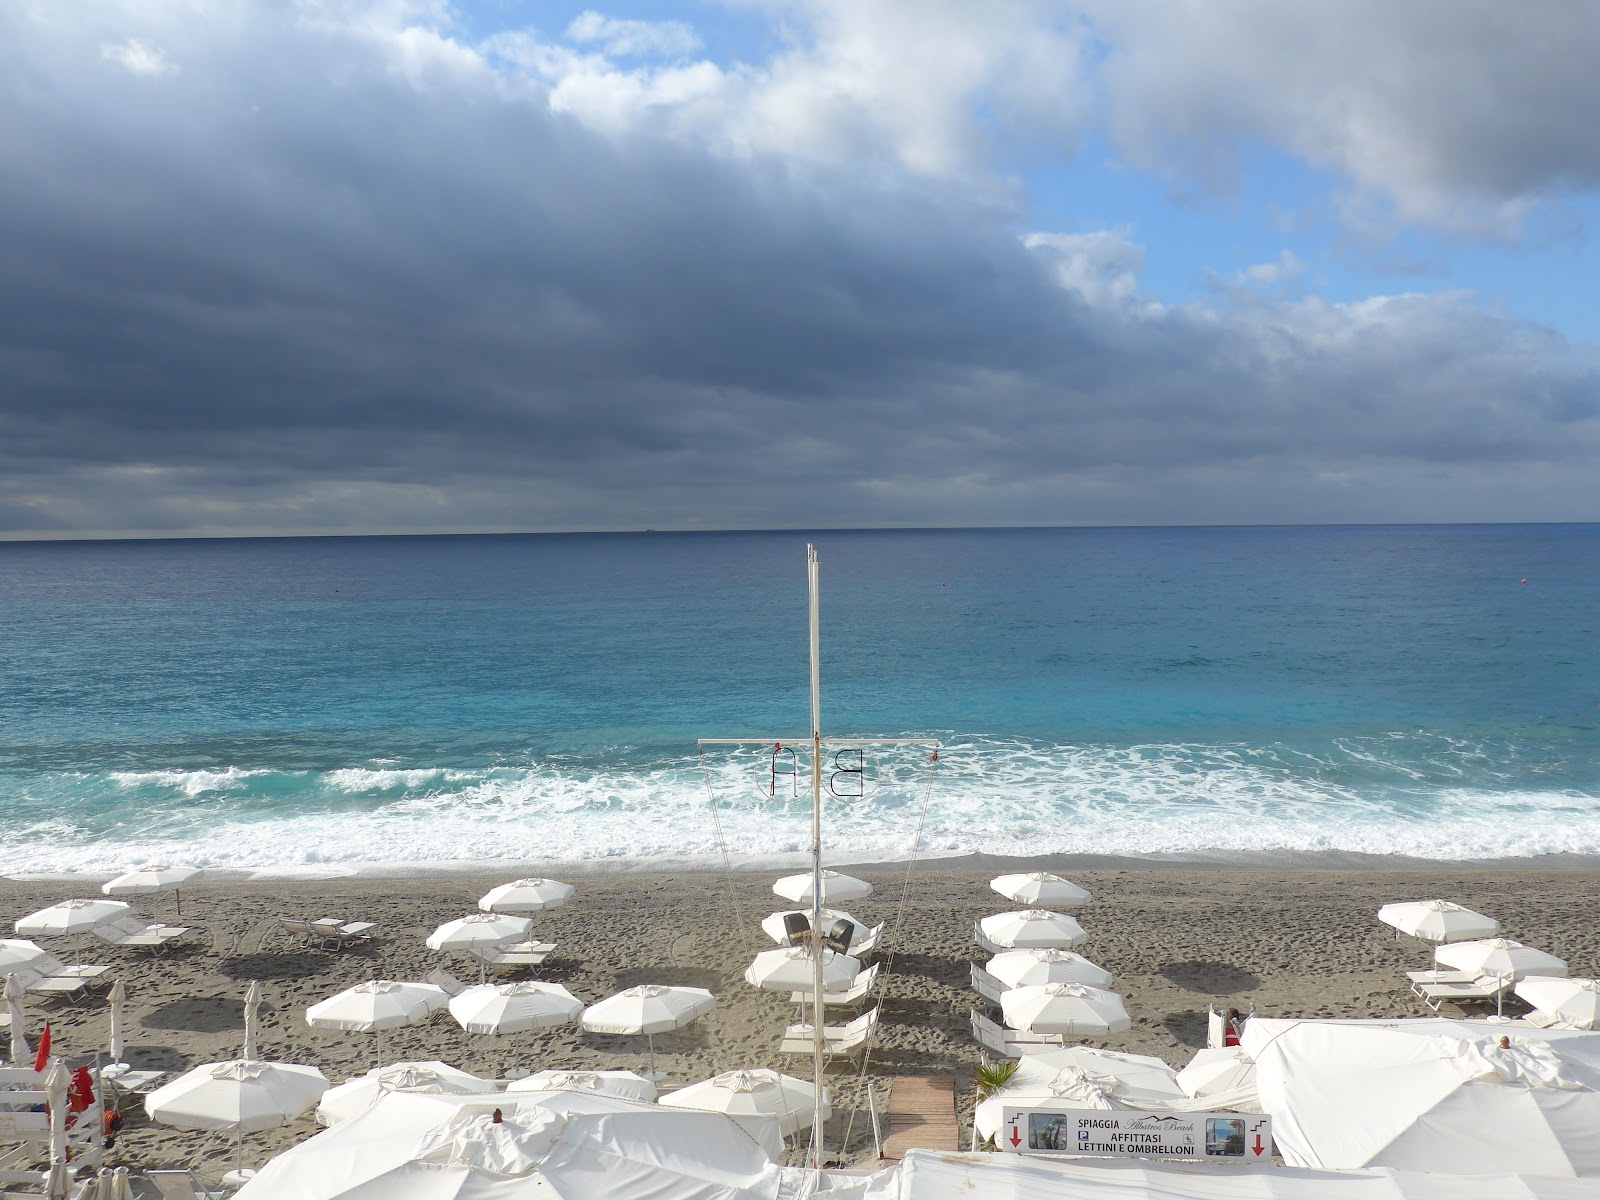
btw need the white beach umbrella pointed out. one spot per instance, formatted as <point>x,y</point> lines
<point>1041,889</point>
<point>1573,1003</point>
<point>1029,968</point>
<point>789,969</point>
<point>377,1005</point>
<point>1438,920</point>
<point>773,925</point>
<point>237,1096</point>
<point>1142,1073</point>
<point>19,955</point>
<point>1500,957</point>
<point>526,896</point>
<point>71,917</point>
<point>252,1006</point>
<point>20,1053</point>
<point>624,1085</point>
<point>479,930</point>
<point>837,888</point>
<point>355,1096</point>
<point>1071,1008</point>
<point>1066,1089</point>
<point>648,1009</point>
<point>514,1007</point>
<point>1033,929</point>
<point>749,1097</point>
<point>1217,1070</point>
<point>145,880</point>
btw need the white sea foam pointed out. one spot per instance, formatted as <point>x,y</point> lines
<point>1433,798</point>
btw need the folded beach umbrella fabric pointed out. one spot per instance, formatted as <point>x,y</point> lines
<point>624,1085</point>
<point>526,896</point>
<point>1438,921</point>
<point>774,928</point>
<point>1069,1008</point>
<point>15,991</point>
<point>754,1096</point>
<point>357,1095</point>
<point>1033,929</point>
<point>1029,968</point>
<point>837,888</point>
<point>71,917</point>
<point>1500,957</point>
<point>1572,1003</point>
<point>1139,1072</point>
<point>514,1007</point>
<point>1041,889</point>
<point>479,930</point>
<point>790,969</point>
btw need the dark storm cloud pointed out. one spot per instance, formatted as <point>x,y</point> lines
<point>269,272</point>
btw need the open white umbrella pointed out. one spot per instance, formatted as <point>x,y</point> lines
<point>19,955</point>
<point>1500,957</point>
<point>1041,889</point>
<point>774,928</point>
<point>20,1053</point>
<point>789,969</point>
<point>1571,1003</point>
<point>1033,929</point>
<point>514,1007</point>
<point>648,1009</point>
<point>837,888</point>
<point>751,1096</point>
<point>1029,968</point>
<point>238,1097</point>
<point>71,917</point>
<point>625,1085</point>
<point>1438,921</point>
<point>526,896</point>
<point>145,880</point>
<point>1070,1008</point>
<point>412,1078</point>
<point>1142,1073</point>
<point>377,1005</point>
<point>1218,1069</point>
<point>478,931</point>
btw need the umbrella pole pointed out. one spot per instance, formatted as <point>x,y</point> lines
<point>651,1039</point>
<point>177,894</point>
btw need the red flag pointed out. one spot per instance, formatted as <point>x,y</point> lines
<point>41,1059</point>
<point>81,1094</point>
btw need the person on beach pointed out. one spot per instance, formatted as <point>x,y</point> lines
<point>1232,1028</point>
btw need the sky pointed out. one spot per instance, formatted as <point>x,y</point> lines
<point>366,266</point>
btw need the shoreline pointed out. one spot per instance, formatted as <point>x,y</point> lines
<point>941,861</point>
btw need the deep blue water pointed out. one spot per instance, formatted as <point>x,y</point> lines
<point>360,700</point>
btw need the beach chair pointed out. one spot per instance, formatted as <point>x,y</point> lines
<point>180,1185</point>
<point>986,985</point>
<point>796,928</point>
<point>838,1041</point>
<point>1480,990</point>
<point>1010,1043</point>
<point>1421,979</point>
<point>862,987</point>
<point>518,954</point>
<point>128,933</point>
<point>448,983</point>
<point>984,943</point>
<point>869,941</point>
<point>337,935</point>
<point>52,966</point>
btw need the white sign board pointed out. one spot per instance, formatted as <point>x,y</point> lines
<point>1214,1137</point>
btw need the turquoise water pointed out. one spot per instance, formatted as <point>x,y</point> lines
<point>360,701</point>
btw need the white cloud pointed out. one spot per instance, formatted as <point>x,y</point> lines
<point>139,58</point>
<point>631,39</point>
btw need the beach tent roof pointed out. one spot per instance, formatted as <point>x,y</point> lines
<point>1421,1096</point>
<point>930,1175</point>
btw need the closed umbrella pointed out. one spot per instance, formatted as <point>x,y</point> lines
<point>1041,889</point>
<point>71,917</point>
<point>1570,1003</point>
<point>789,969</point>
<point>837,888</point>
<point>1068,1008</point>
<point>146,880</point>
<point>514,1007</point>
<point>1438,921</point>
<point>377,1005</point>
<point>625,1085</point>
<point>252,1005</point>
<point>119,998</point>
<point>1028,968</point>
<point>411,1078</point>
<point>526,896</point>
<point>1033,929</point>
<point>648,1009</point>
<point>774,928</point>
<point>755,1096</point>
<point>1500,957</point>
<point>20,1054</point>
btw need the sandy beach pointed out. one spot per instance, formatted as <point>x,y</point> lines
<point>1289,941</point>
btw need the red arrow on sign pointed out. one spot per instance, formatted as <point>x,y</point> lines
<point>1016,1138</point>
<point>1258,1145</point>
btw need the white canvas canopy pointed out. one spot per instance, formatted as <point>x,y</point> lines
<point>754,1098</point>
<point>1570,1003</point>
<point>1219,1071</point>
<point>1041,889</point>
<point>1437,921</point>
<point>1030,968</point>
<point>526,896</point>
<point>837,888</point>
<point>558,1145</point>
<point>1033,928</point>
<point>624,1085</point>
<point>355,1096</point>
<point>1141,1073</point>
<point>1430,1095</point>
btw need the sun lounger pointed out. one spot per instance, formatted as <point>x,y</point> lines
<point>518,954</point>
<point>448,983</point>
<point>1421,979</point>
<point>180,1185</point>
<point>1472,991</point>
<point>865,982</point>
<point>838,1041</point>
<point>868,941</point>
<point>984,943</point>
<point>1010,1043</point>
<point>127,933</point>
<point>329,933</point>
<point>986,985</point>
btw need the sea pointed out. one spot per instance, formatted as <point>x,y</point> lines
<point>329,705</point>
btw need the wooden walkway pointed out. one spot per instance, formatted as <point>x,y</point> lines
<point>922,1115</point>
